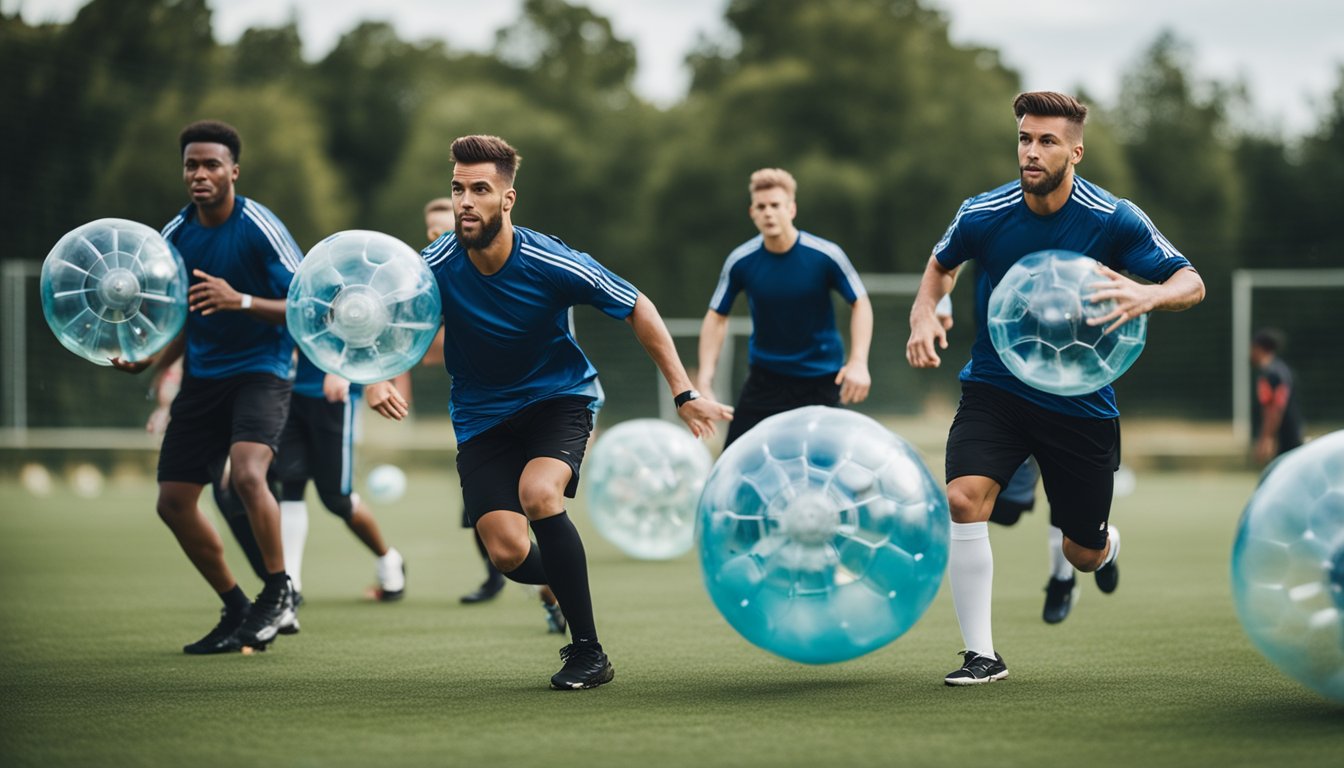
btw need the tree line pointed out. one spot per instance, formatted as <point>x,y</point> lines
<point>887,124</point>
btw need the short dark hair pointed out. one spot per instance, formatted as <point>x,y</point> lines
<point>212,132</point>
<point>1268,339</point>
<point>469,150</point>
<point>1050,104</point>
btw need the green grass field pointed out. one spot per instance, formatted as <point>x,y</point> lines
<point>98,601</point>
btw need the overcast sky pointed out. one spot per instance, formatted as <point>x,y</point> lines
<point>1289,51</point>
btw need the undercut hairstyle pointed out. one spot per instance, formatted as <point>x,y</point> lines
<point>1051,104</point>
<point>770,178</point>
<point>1268,339</point>
<point>469,150</point>
<point>212,132</point>
<point>439,204</point>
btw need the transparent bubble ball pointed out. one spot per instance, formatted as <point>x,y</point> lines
<point>644,480</point>
<point>1288,565</point>
<point>114,288</point>
<point>822,535</point>
<point>1038,323</point>
<point>364,306</point>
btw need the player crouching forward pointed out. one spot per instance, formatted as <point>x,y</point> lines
<point>524,393</point>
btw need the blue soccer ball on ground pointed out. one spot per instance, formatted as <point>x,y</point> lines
<point>364,306</point>
<point>1288,565</point>
<point>822,535</point>
<point>1038,317</point>
<point>114,288</point>
<point>644,481</point>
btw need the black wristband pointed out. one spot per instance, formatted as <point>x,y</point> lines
<point>685,397</point>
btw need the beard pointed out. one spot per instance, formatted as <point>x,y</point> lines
<point>489,231</point>
<point>1048,183</point>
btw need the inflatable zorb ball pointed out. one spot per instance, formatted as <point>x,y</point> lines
<point>1288,565</point>
<point>114,288</point>
<point>364,306</point>
<point>644,481</point>
<point>822,535</point>
<point>1038,317</point>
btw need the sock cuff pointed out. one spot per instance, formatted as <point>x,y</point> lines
<point>293,506</point>
<point>234,599</point>
<point>553,520</point>
<point>970,531</point>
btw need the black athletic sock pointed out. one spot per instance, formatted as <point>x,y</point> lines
<point>235,600</point>
<point>531,571</point>
<point>567,573</point>
<point>275,583</point>
<point>492,574</point>
<point>234,514</point>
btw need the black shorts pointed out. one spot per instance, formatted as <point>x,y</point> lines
<point>766,393</point>
<point>210,415</point>
<point>491,463</point>
<point>318,442</point>
<point>994,431</point>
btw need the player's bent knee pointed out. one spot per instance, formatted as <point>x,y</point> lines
<point>338,504</point>
<point>507,556</point>
<point>1082,558</point>
<point>540,501</point>
<point>967,506</point>
<point>248,482</point>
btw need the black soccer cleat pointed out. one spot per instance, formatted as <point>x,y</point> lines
<point>1060,595</point>
<point>1108,577</point>
<point>220,639</point>
<point>272,610</point>
<point>977,669</point>
<point>586,666</point>
<point>484,593</point>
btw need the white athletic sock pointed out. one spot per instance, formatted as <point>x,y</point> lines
<point>390,575</point>
<point>1112,535</point>
<point>1060,567</point>
<point>294,535</point>
<point>970,568</point>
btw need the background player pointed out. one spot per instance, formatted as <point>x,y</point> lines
<point>319,443</point>
<point>796,354</point>
<point>1276,417</point>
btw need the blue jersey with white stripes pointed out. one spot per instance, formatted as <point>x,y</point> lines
<point>507,339</point>
<point>997,228</point>
<point>793,329</point>
<point>256,255</point>
<point>308,378</point>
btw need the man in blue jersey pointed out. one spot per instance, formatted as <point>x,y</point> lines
<point>797,357</point>
<point>523,393</point>
<point>1000,420</point>
<point>235,392</point>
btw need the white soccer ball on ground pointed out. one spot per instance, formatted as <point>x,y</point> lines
<point>386,483</point>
